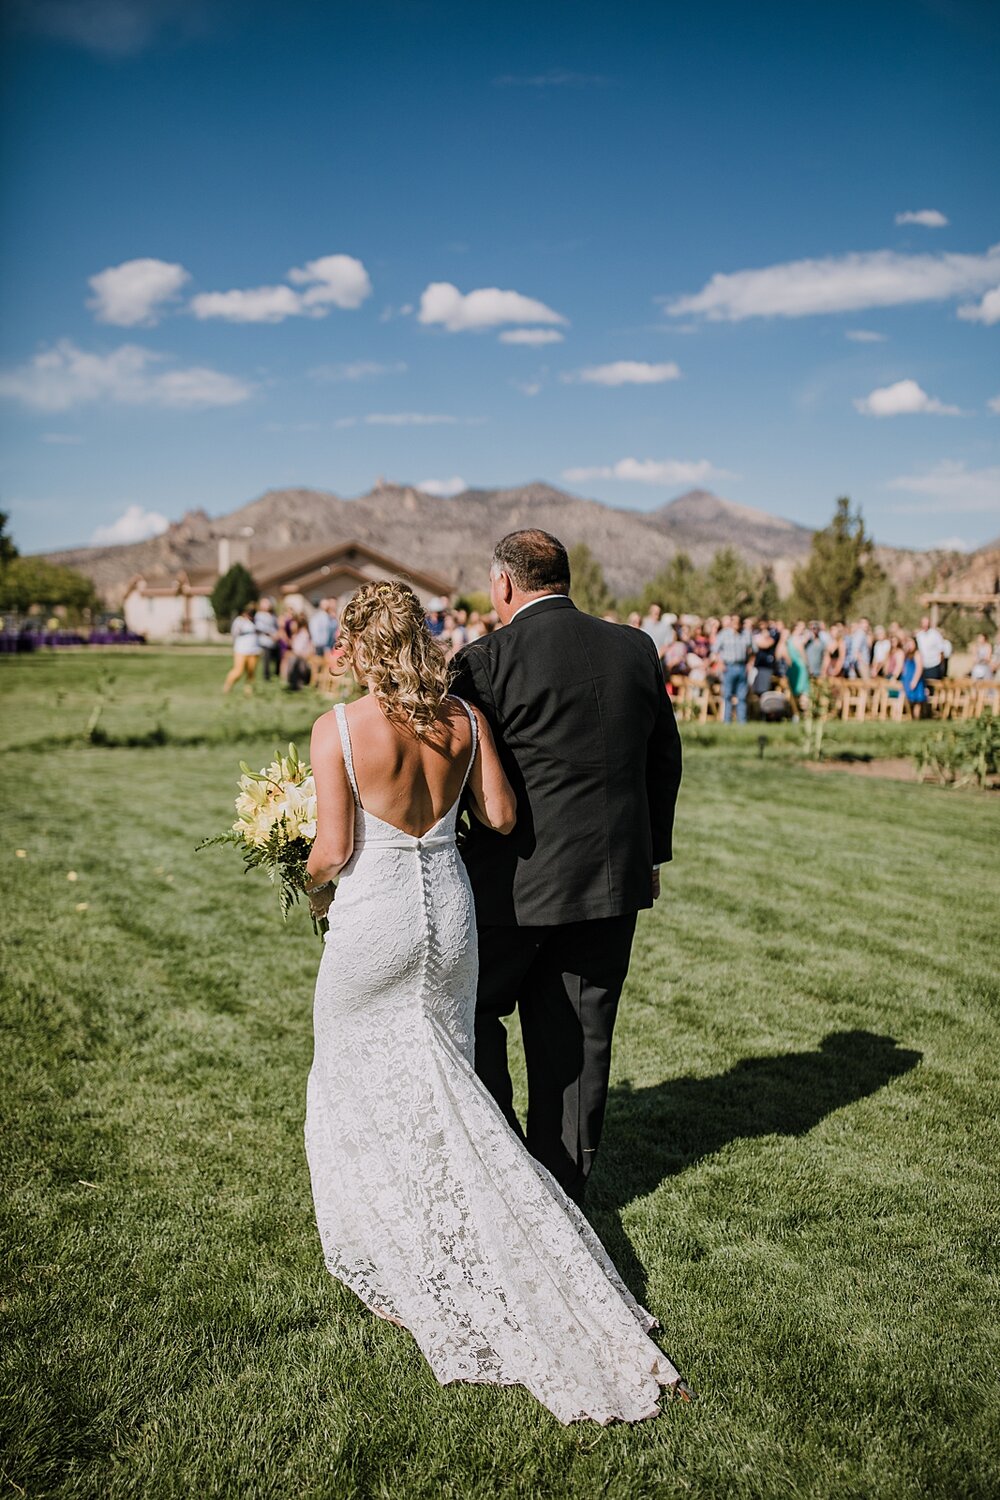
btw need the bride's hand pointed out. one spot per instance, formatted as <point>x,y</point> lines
<point>321,900</point>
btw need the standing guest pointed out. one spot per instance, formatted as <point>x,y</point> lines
<point>816,647</point>
<point>659,630</point>
<point>892,667</point>
<point>833,662</point>
<point>914,677</point>
<point>246,650</point>
<point>982,659</point>
<point>300,654</point>
<point>700,644</point>
<point>676,655</point>
<point>858,651</point>
<point>733,645</point>
<point>946,651</point>
<point>792,651</point>
<point>266,624</point>
<point>930,644</point>
<point>764,656</point>
<point>880,650</point>
<point>635,620</point>
<point>321,628</point>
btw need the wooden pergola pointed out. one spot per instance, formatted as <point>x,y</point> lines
<point>985,604</point>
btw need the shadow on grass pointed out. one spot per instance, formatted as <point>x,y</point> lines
<point>653,1133</point>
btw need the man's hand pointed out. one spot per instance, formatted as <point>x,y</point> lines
<point>656,882</point>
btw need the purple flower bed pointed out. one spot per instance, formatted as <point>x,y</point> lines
<point>12,642</point>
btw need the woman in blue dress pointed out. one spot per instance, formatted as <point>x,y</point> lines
<point>914,685</point>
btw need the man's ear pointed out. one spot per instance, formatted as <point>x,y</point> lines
<point>505,587</point>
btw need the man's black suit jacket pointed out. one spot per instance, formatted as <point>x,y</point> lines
<point>587,736</point>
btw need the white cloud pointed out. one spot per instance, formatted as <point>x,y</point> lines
<point>625,372</point>
<point>333,280</point>
<point>953,544</point>
<point>134,292</point>
<point>845,283</point>
<point>66,376</point>
<point>864,336</point>
<point>443,303</point>
<point>652,471</point>
<point>261,304</point>
<point>443,487</point>
<point>527,387</point>
<point>362,369</point>
<point>904,398</point>
<point>930,218</point>
<point>407,419</point>
<point>950,486</point>
<point>994,404</point>
<point>987,311</point>
<point>133,525</point>
<point>532,336</point>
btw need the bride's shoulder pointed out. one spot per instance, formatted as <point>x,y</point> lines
<point>325,733</point>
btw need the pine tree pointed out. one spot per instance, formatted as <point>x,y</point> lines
<point>839,563</point>
<point>728,583</point>
<point>678,588</point>
<point>766,600</point>
<point>233,592</point>
<point>8,551</point>
<point>589,587</point>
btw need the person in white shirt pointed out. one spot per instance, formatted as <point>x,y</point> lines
<point>266,624</point>
<point>931,644</point>
<point>246,650</point>
<point>659,630</point>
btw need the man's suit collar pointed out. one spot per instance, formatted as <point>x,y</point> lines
<point>559,601</point>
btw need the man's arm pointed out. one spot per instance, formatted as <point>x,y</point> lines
<point>469,680</point>
<point>663,774</point>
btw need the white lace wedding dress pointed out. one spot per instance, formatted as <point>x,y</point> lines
<point>429,1206</point>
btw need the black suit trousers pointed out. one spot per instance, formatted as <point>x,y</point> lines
<point>565,983</point>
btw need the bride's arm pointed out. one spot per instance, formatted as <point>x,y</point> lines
<point>334,841</point>
<point>490,793</point>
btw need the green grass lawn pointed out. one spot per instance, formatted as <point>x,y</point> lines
<point>799,1173</point>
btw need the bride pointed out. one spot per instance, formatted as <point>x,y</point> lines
<point>428,1205</point>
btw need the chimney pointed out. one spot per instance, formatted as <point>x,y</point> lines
<point>233,550</point>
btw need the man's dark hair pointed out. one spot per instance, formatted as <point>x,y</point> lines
<point>533,560</point>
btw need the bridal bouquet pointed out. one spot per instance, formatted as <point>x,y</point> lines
<point>275,823</point>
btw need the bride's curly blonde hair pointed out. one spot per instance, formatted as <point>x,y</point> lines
<point>387,644</point>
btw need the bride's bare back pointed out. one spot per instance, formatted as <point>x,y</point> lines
<point>405,780</point>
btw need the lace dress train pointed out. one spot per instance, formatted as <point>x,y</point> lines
<point>429,1207</point>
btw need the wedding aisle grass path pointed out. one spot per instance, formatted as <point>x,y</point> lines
<point>799,1173</point>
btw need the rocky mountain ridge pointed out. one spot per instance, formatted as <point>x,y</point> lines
<point>453,536</point>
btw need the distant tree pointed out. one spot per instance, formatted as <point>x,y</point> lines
<point>474,599</point>
<point>678,588</point>
<point>839,563</point>
<point>233,592</point>
<point>8,551</point>
<point>765,600</point>
<point>27,582</point>
<point>589,587</point>
<point>728,583</point>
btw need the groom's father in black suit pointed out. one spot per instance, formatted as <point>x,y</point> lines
<point>587,737</point>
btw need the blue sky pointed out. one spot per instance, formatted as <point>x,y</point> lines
<point>761,245</point>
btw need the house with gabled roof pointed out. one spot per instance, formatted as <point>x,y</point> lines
<point>161,607</point>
